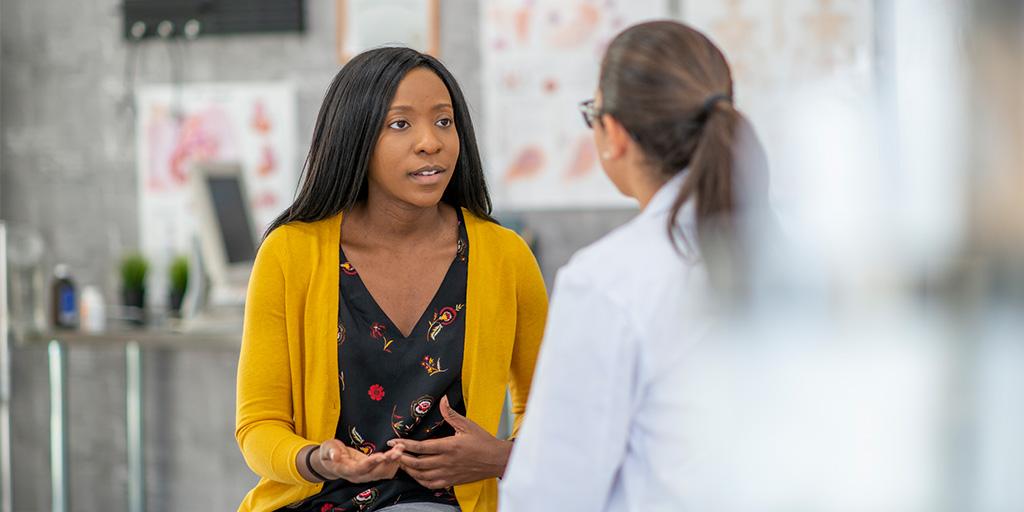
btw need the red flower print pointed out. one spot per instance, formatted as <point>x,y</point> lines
<point>328,507</point>
<point>442,318</point>
<point>348,269</point>
<point>376,392</point>
<point>377,333</point>
<point>447,316</point>
<point>377,330</point>
<point>366,497</point>
<point>421,406</point>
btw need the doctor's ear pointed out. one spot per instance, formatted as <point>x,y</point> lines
<point>616,138</point>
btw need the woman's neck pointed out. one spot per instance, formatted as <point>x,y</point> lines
<point>645,183</point>
<point>397,223</point>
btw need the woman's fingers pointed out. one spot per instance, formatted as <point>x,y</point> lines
<point>457,421</point>
<point>431,479</point>
<point>428,447</point>
<point>378,466</point>
<point>343,461</point>
<point>422,463</point>
<point>386,470</point>
<point>391,463</point>
<point>332,450</point>
<point>347,463</point>
<point>395,454</point>
<point>368,464</point>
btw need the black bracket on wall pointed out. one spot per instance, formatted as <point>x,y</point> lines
<point>195,18</point>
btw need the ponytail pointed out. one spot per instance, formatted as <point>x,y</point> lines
<point>709,180</point>
<point>671,88</point>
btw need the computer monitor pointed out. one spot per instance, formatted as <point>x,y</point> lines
<point>227,233</point>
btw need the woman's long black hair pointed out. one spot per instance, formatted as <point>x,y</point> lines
<point>348,125</point>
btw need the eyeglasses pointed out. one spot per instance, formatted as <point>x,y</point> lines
<point>591,114</point>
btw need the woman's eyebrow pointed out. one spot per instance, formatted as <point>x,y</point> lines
<point>409,108</point>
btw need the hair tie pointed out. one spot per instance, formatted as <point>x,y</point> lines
<point>711,101</point>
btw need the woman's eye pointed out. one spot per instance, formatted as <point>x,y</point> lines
<point>399,125</point>
<point>444,123</point>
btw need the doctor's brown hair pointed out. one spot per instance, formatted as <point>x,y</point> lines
<point>671,88</point>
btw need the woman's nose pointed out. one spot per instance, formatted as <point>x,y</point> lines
<point>429,143</point>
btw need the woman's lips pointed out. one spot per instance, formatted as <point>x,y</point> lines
<point>431,175</point>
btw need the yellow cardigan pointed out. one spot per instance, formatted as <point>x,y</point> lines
<point>287,393</point>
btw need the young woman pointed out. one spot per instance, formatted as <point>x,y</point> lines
<point>386,304</point>
<point>606,427</point>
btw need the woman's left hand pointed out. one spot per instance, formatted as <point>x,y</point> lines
<point>470,455</point>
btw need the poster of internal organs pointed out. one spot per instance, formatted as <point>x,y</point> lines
<point>540,60</point>
<point>177,127</point>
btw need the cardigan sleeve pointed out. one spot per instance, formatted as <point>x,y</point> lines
<point>531,312</point>
<point>264,426</point>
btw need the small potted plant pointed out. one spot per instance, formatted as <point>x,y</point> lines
<point>133,287</point>
<point>179,282</point>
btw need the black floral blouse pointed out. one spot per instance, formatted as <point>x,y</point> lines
<point>391,385</point>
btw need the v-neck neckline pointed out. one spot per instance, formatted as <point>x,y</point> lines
<point>421,319</point>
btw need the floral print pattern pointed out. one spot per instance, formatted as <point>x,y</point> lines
<point>460,251</point>
<point>377,332</point>
<point>376,392</point>
<point>366,498</point>
<point>421,406</point>
<point>359,443</point>
<point>442,318</point>
<point>433,367</point>
<point>399,426</point>
<point>381,368</point>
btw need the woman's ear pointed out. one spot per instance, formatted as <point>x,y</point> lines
<point>616,138</point>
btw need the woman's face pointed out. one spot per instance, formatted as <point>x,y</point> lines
<point>418,146</point>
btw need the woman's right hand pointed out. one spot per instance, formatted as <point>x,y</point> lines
<point>334,460</point>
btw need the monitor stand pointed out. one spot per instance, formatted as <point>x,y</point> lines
<point>209,305</point>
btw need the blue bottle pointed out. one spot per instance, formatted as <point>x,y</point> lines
<point>65,301</point>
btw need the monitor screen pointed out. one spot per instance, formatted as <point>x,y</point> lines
<point>229,206</point>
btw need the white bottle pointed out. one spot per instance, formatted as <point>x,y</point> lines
<point>93,316</point>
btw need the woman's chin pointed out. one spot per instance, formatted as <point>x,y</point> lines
<point>422,200</point>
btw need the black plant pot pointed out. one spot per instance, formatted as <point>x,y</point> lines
<point>175,299</point>
<point>134,305</point>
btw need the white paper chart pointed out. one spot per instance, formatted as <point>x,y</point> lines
<point>252,123</point>
<point>541,59</point>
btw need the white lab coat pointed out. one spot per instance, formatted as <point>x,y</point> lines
<point>605,424</point>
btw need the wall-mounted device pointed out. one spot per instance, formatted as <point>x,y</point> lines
<point>195,18</point>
